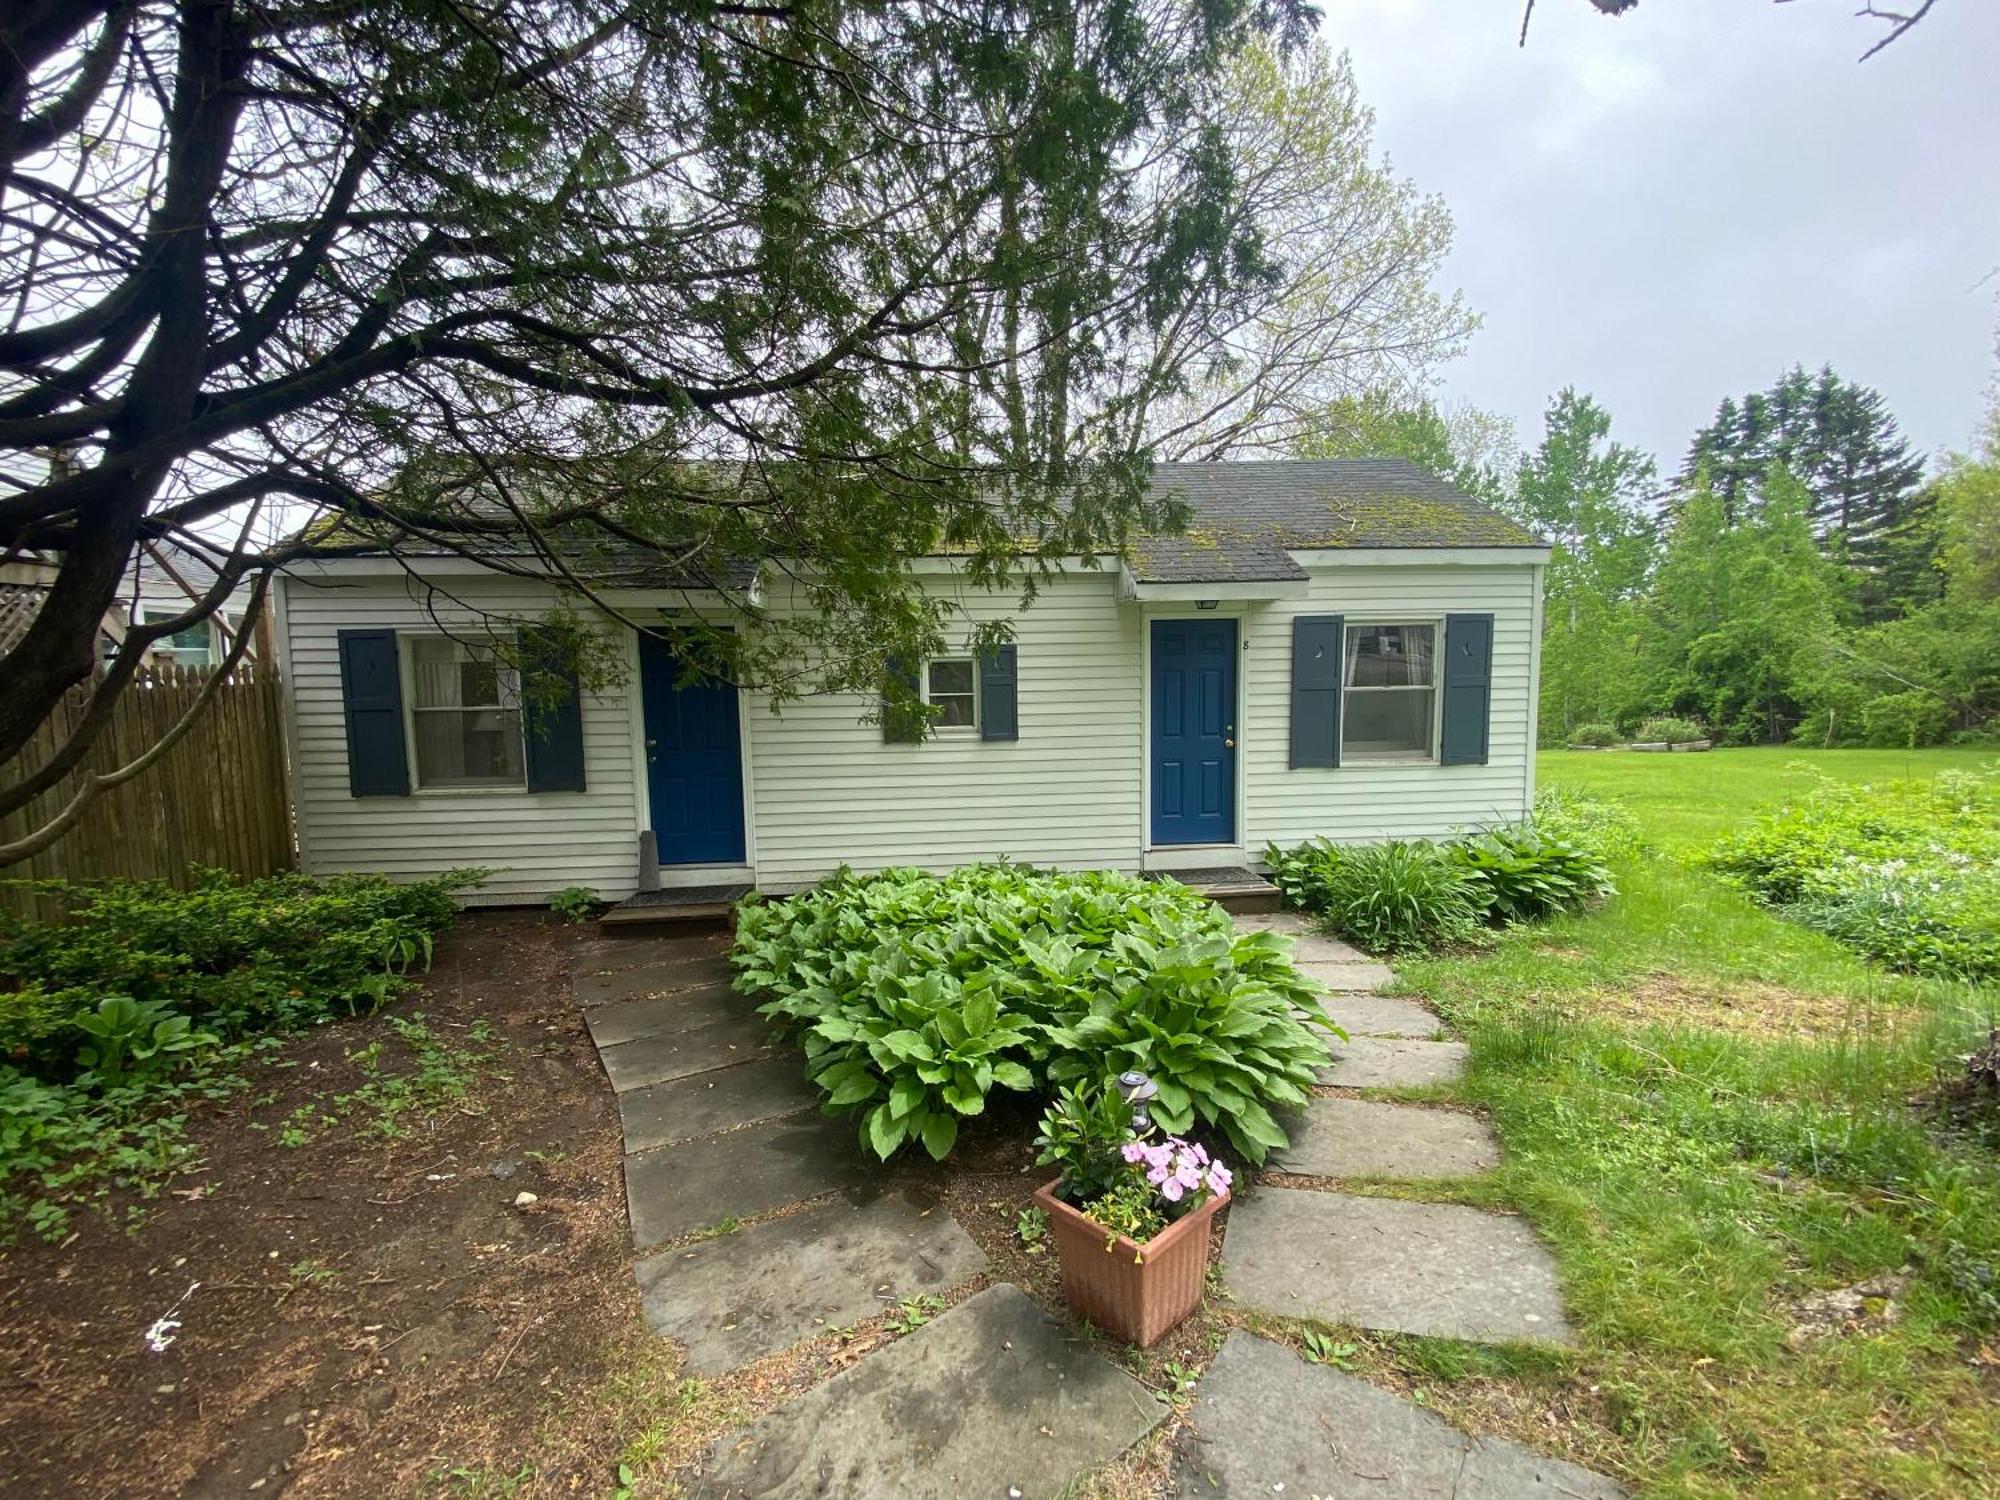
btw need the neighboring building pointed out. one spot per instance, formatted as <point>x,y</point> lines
<point>1342,648</point>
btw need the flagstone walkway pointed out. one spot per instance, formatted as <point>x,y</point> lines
<point>995,1397</point>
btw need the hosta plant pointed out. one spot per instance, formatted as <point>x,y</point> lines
<point>1523,875</point>
<point>1218,1026</point>
<point>1052,977</point>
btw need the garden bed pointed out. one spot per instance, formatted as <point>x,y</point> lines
<point>372,1308</point>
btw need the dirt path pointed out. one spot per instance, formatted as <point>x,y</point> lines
<point>374,1311</point>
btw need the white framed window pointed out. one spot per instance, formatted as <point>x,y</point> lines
<point>464,707</point>
<point>1389,695</point>
<point>951,686</point>
<point>191,647</point>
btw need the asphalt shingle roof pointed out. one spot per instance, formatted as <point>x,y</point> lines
<point>1248,516</point>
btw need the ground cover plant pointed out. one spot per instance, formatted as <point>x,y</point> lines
<point>1779,1254</point>
<point>914,996</point>
<point>150,998</point>
<point>1906,872</point>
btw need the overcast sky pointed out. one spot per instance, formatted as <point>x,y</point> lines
<point>1678,204</point>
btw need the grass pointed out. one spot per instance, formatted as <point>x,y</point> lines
<point>1677,944</point>
<point>1707,1112</point>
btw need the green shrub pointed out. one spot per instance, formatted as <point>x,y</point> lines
<point>1810,847</point>
<point>1525,874</point>
<point>1917,921</point>
<point>1907,873</point>
<point>915,995</point>
<point>1605,829</point>
<point>1400,896</point>
<point>1597,736</point>
<point>1670,731</point>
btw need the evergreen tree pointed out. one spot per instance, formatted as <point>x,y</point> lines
<point>1842,443</point>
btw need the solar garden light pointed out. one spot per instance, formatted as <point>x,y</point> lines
<point>1136,1088</point>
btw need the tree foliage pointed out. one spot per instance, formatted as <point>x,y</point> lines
<point>1590,497</point>
<point>560,285</point>
<point>1839,440</point>
<point>1348,305</point>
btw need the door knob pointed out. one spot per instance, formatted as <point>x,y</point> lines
<point>1229,744</point>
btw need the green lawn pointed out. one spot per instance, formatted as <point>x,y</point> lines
<point>1688,799</point>
<point>1676,941</point>
<point>1707,1112</point>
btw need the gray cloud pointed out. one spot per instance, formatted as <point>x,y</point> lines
<point>1676,205</point>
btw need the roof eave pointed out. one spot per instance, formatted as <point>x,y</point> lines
<point>1133,589</point>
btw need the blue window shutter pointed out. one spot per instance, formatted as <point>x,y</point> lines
<point>1468,689</point>
<point>999,694</point>
<point>371,700</point>
<point>551,717</point>
<point>1316,667</point>
<point>900,724</point>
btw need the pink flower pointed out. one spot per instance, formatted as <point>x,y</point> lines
<point>1156,1175</point>
<point>1187,1174</point>
<point>1218,1179</point>
<point>1134,1151</point>
<point>1171,1190</point>
<point>1159,1156</point>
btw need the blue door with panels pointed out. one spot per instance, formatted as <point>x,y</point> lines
<point>694,761</point>
<point>1194,732</point>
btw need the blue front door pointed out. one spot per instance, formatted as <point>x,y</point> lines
<point>694,762</point>
<point>1194,732</point>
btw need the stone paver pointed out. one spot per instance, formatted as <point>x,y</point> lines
<point>1350,977</point>
<point>741,1296</point>
<point>659,1056</point>
<point>1326,950</point>
<point>1380,1015</point>
<point>1369,1062</point>
<point>992,1398</point>
<point>1366,1138</point>
<point>1266,1423</point>
<point>653,979</point>
<point>720,1099</point>
<point>628,1020</point>
<point>597,954</point>
<point>678,1189</point>
<point>1429,1268</point>
<point>1290,923</point>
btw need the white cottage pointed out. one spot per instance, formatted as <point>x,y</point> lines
<point>1344,648</point>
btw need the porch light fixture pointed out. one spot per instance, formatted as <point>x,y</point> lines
<point>1208,604</point>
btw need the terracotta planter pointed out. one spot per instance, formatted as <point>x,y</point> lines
<point>1133,1292</point>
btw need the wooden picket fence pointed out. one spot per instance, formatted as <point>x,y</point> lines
<point>216,799</point>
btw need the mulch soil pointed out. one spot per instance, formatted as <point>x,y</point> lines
<point>366,1314</point>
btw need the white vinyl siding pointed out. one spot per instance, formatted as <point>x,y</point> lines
<point>535,843</point>
<point>825,790</point>
<point>828,791</point>
<point>1363,801</point>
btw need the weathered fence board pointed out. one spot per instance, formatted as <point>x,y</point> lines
<point>216,799</point>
